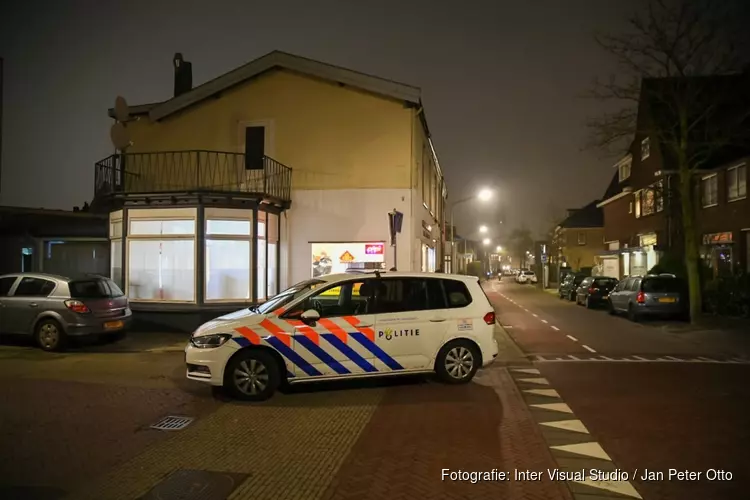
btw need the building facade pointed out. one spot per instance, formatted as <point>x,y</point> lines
<point>279,171</point>
<point>579,238</point>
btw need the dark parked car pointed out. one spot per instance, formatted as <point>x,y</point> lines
<point>567,289</point>
<point>651,295</point>
<point>594,291</point>
<point>54,308</point>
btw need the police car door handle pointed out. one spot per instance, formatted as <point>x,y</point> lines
<point>437,320</point>
<point>364,326</point>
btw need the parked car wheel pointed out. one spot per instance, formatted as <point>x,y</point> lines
<point>252,375</point>
<point>457,362</point>
<point>572,296</point>
<point>50,336</point>
<point>632,315</point>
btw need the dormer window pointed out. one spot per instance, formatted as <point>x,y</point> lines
<point>645,148</point>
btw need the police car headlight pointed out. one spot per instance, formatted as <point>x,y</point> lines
<point>210,341</point>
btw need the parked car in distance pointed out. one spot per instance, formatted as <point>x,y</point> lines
<point>526,277</point>
<point>569,285</point>
<point>55,308</point>
<point>594,291</point>
<point>650,295</point>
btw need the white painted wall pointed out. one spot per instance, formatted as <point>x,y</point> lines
<point>344,215</point>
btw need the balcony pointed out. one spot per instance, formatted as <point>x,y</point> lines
<point>172,173</point>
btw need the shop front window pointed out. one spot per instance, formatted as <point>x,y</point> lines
<point>228,255</point>
<point>228,264</point>
<point>161,269</point>
<point>261,291</point>
<point>161,255</point>
<point>115,262</point>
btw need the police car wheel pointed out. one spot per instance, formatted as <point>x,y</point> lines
<point>252,375</point>
<point>457,362</point>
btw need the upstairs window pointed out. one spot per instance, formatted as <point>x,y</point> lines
<point>710,190</point>
<point>581,238</point>
<point>648,201</point>
<point>624,169</point>
<point>637,204</point>
<point>737,183</point>
<point>645,148</point>
<point>659,188</point>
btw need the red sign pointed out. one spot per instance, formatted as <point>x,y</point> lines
<point>375,249</point>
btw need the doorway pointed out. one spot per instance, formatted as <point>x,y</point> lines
<point>255,147</point>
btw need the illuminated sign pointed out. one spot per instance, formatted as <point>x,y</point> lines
<point>376,249</point>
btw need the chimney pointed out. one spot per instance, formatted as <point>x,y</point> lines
<point>183,75</point>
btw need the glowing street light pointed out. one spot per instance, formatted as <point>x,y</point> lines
<point>484,195</point>
<point>499,249</point>
<point>483,229</point>
<point>486,241</point>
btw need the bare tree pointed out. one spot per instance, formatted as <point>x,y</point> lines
<point>519,242</point>
<point>685,91</point>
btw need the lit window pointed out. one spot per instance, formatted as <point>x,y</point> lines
<point>161,270</point>
<point>737,182</point>
<point>581,238</point>
<point>624,169</point>
<point>645,148</point>
<point>145,227</point>
<point>648,202</point>
<point>710,191</point>
<point>228,266</point>
<point>637,204</point>
<point>228,227</point>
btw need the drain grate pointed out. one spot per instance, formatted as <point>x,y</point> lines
<point>172,423</point>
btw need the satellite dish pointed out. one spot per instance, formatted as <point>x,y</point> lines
<point>120,136</point>
<point>122,111</point>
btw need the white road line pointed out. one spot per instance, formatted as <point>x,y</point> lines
<point>545,321</point>
<point>574,358</point>
<point>525,309</point>
<point>555,328</point>
<point>572,338</point>
<point>588,348</point>
<point>535,315</point>
<point>640,357</point>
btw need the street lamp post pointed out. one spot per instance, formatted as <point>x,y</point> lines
<point>483,195</point>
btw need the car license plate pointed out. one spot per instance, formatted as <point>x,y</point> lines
<point>667,300</point>
<point>111,325</point>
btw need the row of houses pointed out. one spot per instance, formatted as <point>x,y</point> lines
<point>281,170</point>
<point>638,219</point>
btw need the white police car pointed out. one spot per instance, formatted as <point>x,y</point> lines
<point>349,326</point>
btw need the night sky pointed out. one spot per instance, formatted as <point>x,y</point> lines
<point>501,84</point>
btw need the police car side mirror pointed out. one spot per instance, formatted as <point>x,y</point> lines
<point>310,316</point>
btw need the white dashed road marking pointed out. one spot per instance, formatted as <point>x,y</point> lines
<point>545,321</point>
<point>572,338</point>
<point>588,348</point>
<point>555,328</point>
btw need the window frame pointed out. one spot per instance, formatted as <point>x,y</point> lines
<point>637,204</point>
<point>736,170</point>
<point>624,170</point>
<point>645,148</point>
<point>714,180</point>
<point>288,313</point>
<point>581,238</point>
<point>12,285</point>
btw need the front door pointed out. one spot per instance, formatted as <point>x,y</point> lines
<point>255,147</point>
<point>410,321</point>
<point>341,342</point>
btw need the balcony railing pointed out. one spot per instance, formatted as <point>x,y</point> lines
<point>192,171</point>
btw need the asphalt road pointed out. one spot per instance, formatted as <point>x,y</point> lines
<point>655,396</point>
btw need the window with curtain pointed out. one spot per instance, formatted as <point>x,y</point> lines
<point>161,259</point>
<point>228,259</point>
<point>273,243</point>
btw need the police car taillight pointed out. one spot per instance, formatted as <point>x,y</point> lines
<point>489,318</point>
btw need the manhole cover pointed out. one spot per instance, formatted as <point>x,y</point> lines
<point>172,423</point>
<point>185,484</point>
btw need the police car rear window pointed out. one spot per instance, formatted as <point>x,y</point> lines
<point>456,293</point>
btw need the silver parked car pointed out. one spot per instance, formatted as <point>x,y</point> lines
<point>54,308</point>
<point>651,295</point>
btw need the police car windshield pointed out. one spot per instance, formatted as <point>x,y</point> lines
<point>288,295</point>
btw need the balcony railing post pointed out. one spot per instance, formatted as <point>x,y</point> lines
<point>265,174</point>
